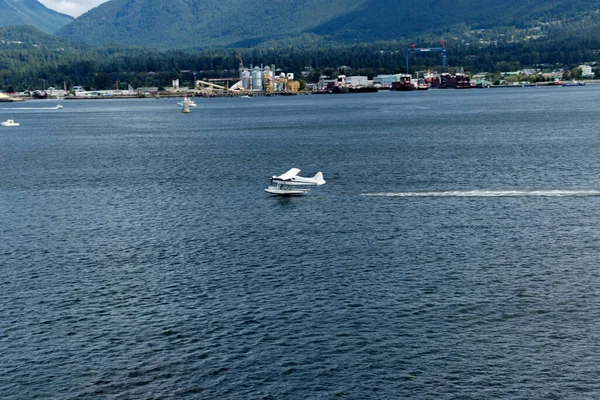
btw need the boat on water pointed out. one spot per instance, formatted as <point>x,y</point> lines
<point>339,86</point>
<point>456,81</point>
<point>363,89</point>
<point>404,84</point>
<point>10,122</point>
<point>340,90</point>
<point>38,94</point>
<point>187,101</point>
<point>505,84</point>
<point>573,83</point>
<point>290,184</point>
<point>422,84</point>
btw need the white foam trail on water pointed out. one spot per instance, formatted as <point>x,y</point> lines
<point>32,108</point>
<point>490,193</point>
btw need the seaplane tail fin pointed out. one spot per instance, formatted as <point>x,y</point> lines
<point>319,178</point>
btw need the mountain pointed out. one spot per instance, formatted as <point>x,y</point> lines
<point>389,19</point>
<point>31,12</point>
<point>202,24</point>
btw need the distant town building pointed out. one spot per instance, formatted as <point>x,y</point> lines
<point>147,90</point>
<point>325,81</point>
<point>528,71</point>
<point>386,80</point>
<point>177,89</point>
<point>481,79</point>
<point>357,81</point>
<point>586,71</point>
<point>554,75</point>
<point>479,76</point>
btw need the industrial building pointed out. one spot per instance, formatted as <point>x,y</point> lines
<point>385,81</point>
<point>263,79</point>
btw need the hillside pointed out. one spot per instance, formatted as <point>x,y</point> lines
<point>199,23</point>
<point>31,12</point>
<point>202,24</point>
<point>392,19</point>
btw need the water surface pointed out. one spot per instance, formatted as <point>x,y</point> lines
<point>452,253</point>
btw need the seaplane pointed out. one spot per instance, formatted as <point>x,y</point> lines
<point>290,184</point>
<point>187,101</point>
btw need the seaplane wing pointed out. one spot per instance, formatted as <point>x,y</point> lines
<point>288,175</point>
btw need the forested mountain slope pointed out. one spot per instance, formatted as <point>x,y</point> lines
<point>245,23</point>
<point>31,12</point>
<point>389,19</point>
<point>200,23</point>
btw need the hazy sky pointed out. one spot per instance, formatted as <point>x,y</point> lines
<point>73,8</point>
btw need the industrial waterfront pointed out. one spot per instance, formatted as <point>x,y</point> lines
<point>272,81</point>
<point>331,89</point>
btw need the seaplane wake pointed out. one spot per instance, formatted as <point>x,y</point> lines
<point>58,107</point>
<point>490,193</point>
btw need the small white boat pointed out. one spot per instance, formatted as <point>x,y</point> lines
<point>187,101</point>
<point>10,122</point>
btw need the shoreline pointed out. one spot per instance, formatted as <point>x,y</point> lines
<point>171,95</point>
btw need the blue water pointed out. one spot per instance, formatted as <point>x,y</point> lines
<point>452,254</point>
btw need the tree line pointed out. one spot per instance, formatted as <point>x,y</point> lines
<point>28,65</point>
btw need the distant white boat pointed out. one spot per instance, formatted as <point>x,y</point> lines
<point>186,102</point>
<point>10,122</point>
<point>573,83</point>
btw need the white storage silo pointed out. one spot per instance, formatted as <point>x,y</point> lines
<point>257,79</point>
<point>245,78</point>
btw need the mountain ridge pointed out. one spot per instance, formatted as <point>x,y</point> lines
<point>194,23</point>
<point>205,24</point>
<point>31,12</point>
